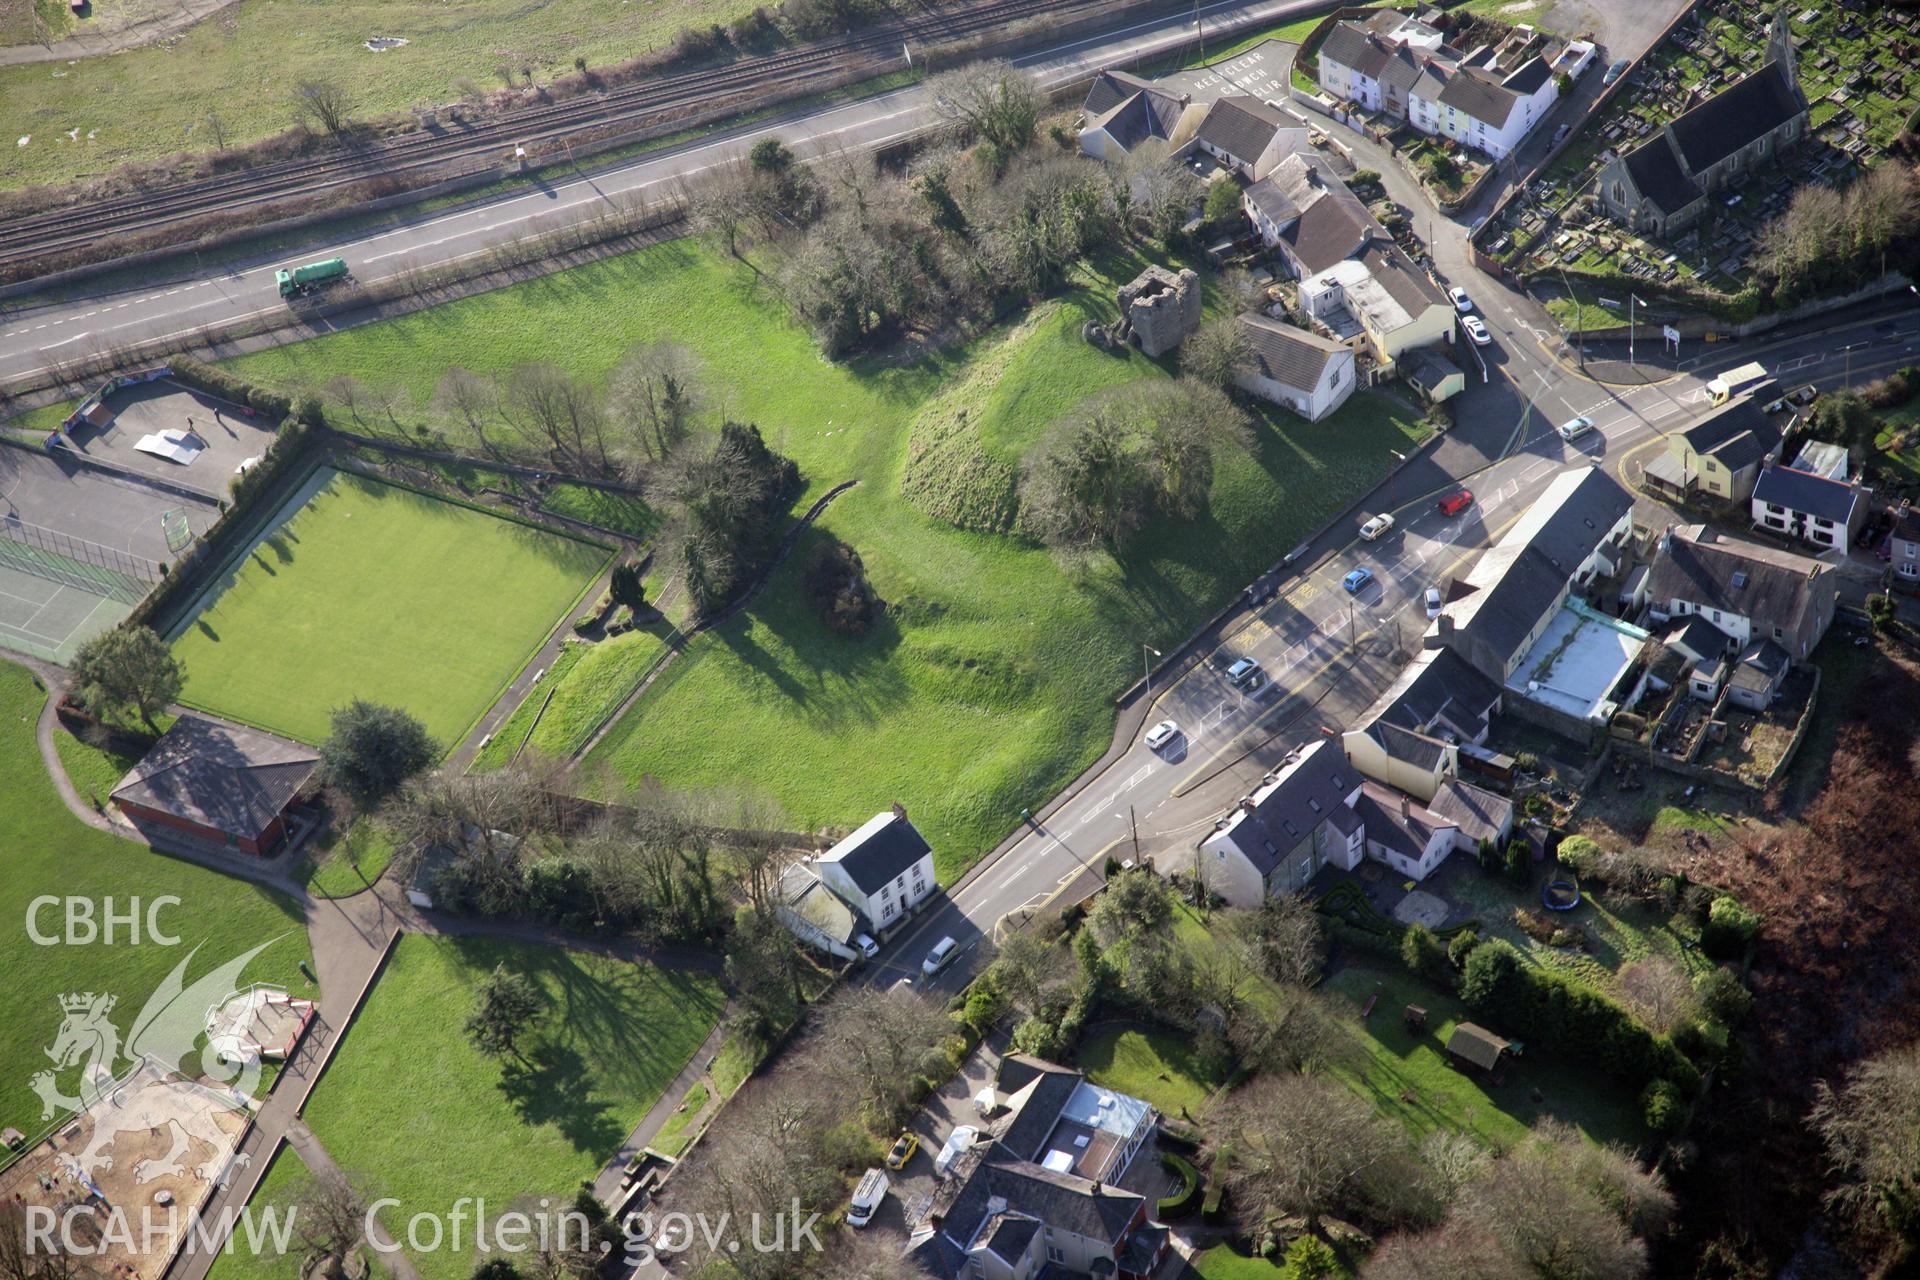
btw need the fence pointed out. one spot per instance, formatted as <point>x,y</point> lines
<point>75,562</point>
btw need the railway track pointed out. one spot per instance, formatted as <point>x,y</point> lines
<point>446,153</point>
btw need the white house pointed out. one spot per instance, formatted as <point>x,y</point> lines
<point>1749,591</point>
<point>1307,373</point>
<point>883,871</point>
<point>1248,136</point>
<point>1483,107</point>
<point>1123,111</point>
<point>1316,810</point>
<point>1812,508</point>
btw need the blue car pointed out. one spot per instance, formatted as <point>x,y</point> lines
<point>1356,580</point>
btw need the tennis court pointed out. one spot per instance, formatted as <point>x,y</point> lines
<point>46,618</point>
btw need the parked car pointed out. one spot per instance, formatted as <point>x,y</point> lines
<point>1454,503</point>
<point>867,1197</point>
<point>1477,330</point>
<point>1433,601</point>
<point>903,1148</point>
<point>1261,590</point>
<point>866,945</point>
<point>940,957</point>
<point>1618,69</point>
<point>1357,579</point>
<point>1246,674</point>
<point>1461,302</point>
<point>1161,734</point>
<point>1376,527</point>
<point>1573,428</point>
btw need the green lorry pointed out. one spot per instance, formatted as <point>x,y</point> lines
<point>301,280</point>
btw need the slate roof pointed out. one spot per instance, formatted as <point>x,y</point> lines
<point>1352,45</point>
<point>1035,1113</point>
<point>1287,810</point>
<point>884,848</point>
<point>1401,72</point>
<point>223,777</point>
<point>1405,834</point>
<point>1428,370</point>
<point>1110,89</point>
<point>1010,1234</point>
<point>1290,356</point>
<point>938,1255</point>
<point>1332,225</point>
<point>1241,126</point>
<point>1476,94</point>
<point>1697,638</point>
<point>1398,275</point>
<point>1271,200</point>
<point>1416,748</point>
<point>1802,491</point>
<point>1760,666</point>
<point>1735,117</point>
<point>1061,1200</point>
<point>1700,566</point>
<point>1138,1256</point>
<point>1437,693</point>
<point>1528,77</point>
<point>1480,814</point>
<point>1657,174</point>
<point>1738,435</point>
<point>1477,1045</point>
<point>1147,114</point>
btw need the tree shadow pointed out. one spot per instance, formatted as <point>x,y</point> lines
<point>554,1087</point>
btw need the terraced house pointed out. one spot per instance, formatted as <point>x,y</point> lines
<point>1662,186</point>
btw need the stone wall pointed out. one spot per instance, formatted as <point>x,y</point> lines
<point>1159,308</point>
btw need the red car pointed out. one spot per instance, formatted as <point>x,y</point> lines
<point>1454,503</point>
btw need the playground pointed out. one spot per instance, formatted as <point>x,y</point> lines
<point>177,435</point>
<point>148,1151</point>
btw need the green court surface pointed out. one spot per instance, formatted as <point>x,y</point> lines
<point>48,610</point>
<point>363,589</point>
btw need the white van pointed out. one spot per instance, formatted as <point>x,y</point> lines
<point>959,1142</point>
<point>867,1197</point>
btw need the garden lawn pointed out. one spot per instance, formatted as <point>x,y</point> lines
<point>410,1105</point>
<point>990,679</point>
<point>1218,1263</point>
<point>44,849</point>
<point>588,681</point>
<point>341,866</point>
<point>1408,1077</point>
<point>1156,1066</point>
<point>285,1177</point>
<point>96,771</point>
<point>152,102</point>
<point>378,592</point>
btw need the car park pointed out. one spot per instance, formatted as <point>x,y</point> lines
<point>1574,428</point>
<point>1433,603</point>
<point>1454,503</point>
<point>1461,302</point>
<point>940,957</point>
<point>1161,734</point>
<point>1376,527</point>
<point>1476,330</point>
<point>1357,579</point>
<point>903,1148</point>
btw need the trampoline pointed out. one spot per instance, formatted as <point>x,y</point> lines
<point>1560,895</point>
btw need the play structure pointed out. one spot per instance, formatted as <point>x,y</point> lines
<point>260,1023</point>
<point>1560,895</point>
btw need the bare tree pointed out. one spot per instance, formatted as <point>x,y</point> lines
<point>322,104</point>
<point>864,1255</point>
<point>1029,964</point>
<point>718,202</point>
<point>467,397</point>
<point>1658,992</point>
<point>1300,1145</point>
<point>1280,938</point>
<point>654,394</point>
<point>26,1257</point>
<point>1871,1128</point>
<point>216,129</point>
<point>995,101</point>
<point>885,1040</point>
<point>347,391</point>
<point>1213,355</point>
<point>1161,192</point>
<point>1452,1251</point>
<point>330,1218</point>
<point>552,404</point>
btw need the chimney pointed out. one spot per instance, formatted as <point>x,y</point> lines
<point>1406,809</point>
<point>899,811</point>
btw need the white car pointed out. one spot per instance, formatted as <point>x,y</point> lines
<point>1573,428</point>
<point>1477,330</point>
<point>940,957</point>
<point>868,947</point>
<point>1161,734</point>
<point>1433,602</point>
<point>1461,302</point>
<point>1376,527</point>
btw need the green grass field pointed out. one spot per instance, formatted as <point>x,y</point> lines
<point>152,102</point>
<point>622,512</point>
<point>377,592</point>
<point>1409,1078</point>
<point>587,681</point>
<point>46,850</point>
<point>274,1194</point>
<point>1155,1066</point>
<point>1219,1263</point>
<point>994,663</point>
<point>339,866</point>
<point>411,1106</point>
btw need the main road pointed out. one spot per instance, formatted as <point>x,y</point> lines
<point>35,339</point>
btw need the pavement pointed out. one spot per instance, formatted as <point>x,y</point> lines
<point>34,338</point>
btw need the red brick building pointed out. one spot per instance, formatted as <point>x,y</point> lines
<point>219,783</point>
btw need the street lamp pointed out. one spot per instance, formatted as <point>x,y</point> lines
<point>1631,299</point>
<point>1147,653</point>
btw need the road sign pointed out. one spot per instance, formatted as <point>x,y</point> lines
<point>1670,333</point>
<point>1609,302</point>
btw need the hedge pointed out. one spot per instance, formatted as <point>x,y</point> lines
<point>1574,1019</point>
<point>275,404</point>
<point>1182,1202</point>
<point>1730,927</point>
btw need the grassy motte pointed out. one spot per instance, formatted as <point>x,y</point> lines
<point>377,592</point>
<point>988,682</point>
<point>44,850</point>
<point>409,1104</point>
